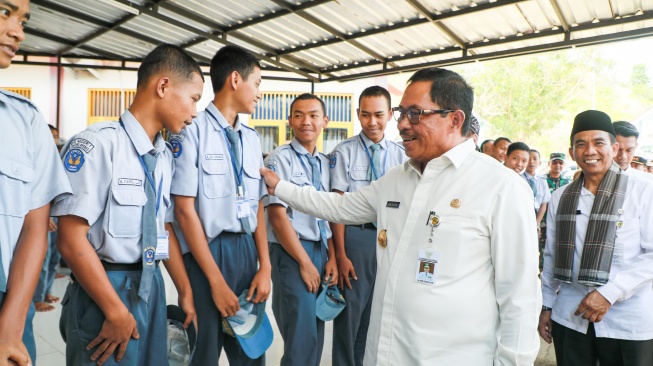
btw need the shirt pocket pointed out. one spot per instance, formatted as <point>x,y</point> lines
<point>300,179</point>
<point>126,212</point>
<point>252,178</point>
<point>15,178</point>
<point>359,173</point>
<point>216,180</point>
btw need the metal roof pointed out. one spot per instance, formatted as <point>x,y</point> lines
<point>328,40</point>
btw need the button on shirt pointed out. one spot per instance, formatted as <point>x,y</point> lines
<point>629,287</point>
<point>350,163</point>
<point>204,171</point>
<point>109,186</point>
<point>486,298</point>
<point>543,193</point>
<point>31,174</point>
<point>286,163</point>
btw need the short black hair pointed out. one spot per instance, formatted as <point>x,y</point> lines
<point>448,90</point>
<point>518,146</point>
<point>168,58</point>
<point>501,139</point>
<point>537,152</point>
<point>375,91</point>
<point>229,59</point>
<point>485,142</point>
<point>52,128</point>
<point>308,96</point>
<point>625,129</point>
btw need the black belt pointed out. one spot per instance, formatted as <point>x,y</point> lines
<point>369,226</point>
<point>114,267</point>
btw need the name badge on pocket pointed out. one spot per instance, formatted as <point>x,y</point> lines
<point>242,207</point>
<point>162,247</point>
<point>427,266</point>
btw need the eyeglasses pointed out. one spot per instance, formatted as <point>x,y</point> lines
<point>414,114</point>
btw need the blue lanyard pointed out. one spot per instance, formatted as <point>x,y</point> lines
<point>157,192</point>
<point>385,160</point>
<point>239,173</point>
<point>308,172</point>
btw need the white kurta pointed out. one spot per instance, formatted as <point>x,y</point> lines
<point>483,308</point>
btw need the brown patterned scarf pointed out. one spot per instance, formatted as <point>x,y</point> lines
<point>599,238</point>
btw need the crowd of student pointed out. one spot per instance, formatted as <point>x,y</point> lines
<point>228,226</point>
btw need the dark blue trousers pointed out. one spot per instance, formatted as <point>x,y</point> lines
<point>81,321</point>
<point>294,307</point>
<point>236,256</point>
<point>350,326</point>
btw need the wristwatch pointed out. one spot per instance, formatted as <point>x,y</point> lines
<point>546,308</point>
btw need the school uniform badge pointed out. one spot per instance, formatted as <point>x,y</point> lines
<point>271,164</point>
<point>73,160</point>
<point>332,161</point>
<point>149,255</point>
<point>176,147</point>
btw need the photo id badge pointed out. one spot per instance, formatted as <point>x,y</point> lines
<point>242,207</point>
<point>427,266</point>
<point>162,247</point>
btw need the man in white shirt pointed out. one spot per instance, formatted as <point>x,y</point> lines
<point>627,135</point>
<point>598,261</point>
<point>481,306</point>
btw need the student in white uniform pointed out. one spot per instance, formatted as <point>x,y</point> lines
<point>111,230</point>
<point>217,188</point>
<point>299,243</point>
<point>31,176</point>
<point>355,163</point>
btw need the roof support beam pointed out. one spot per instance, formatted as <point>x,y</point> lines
<point>220,31</point>
<point>179,24</point>
<point>68,43</point>
<point>561,17</point>
<point>304,14</point>
<point>402,25</point>
<point>437,22</point>
<point>276,14</point>
<point>541,34</point>
<point>606,38</point>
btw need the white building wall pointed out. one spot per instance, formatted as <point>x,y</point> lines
<point>77,82</point>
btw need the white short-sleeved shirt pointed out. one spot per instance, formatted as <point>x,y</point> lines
<point>290,163</point>
<point>204,170</point>
<point>31,174</point>
<point>543,193</point>
<point>108,180</point>
<point>350,162</point>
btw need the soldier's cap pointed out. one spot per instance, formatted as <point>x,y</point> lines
<point>592,120</point>
<point>557,156</point>
<point>639,160</point>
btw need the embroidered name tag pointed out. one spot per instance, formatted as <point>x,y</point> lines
<point>392,204</point>
<point>82,144</point>
<point>297,174</point>
<point>129,182</point>
<point>360,168</point>
<point>214,157</point>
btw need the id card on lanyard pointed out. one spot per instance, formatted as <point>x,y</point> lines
<point>242,204</point>
<point>162,235</point>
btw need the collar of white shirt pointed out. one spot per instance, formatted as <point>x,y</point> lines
<point>301,149</point>
<point>456,156</point>
<point>221,122</point>
<point>368,142</point>
<point>139,137</point>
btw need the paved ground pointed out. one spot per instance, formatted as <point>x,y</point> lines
<point>51,348</point>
